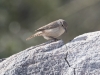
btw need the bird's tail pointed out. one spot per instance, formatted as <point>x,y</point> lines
<point>34,35</point>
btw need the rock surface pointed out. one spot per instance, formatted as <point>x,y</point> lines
<point>49,58</point>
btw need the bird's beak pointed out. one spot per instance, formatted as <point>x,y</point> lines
<point>65,29</point>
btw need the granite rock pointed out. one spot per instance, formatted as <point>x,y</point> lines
<point>82,56</point>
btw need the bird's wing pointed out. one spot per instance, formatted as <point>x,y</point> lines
<point>48,26</point>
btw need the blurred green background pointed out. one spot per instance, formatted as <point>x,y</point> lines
<point>19,19</point>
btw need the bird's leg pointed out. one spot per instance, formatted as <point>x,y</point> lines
<point>54,39</point>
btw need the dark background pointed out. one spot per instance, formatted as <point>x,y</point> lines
<point>19,19</point>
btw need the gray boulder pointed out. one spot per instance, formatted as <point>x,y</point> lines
<point>81,56</point>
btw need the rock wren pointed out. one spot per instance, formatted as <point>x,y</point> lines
<point>51,30</point>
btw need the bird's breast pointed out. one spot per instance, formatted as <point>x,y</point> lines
<point>54,32</point>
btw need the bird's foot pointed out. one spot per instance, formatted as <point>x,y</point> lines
<point>55,39</point>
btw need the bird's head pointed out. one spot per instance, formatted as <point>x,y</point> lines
<point>64,24</point>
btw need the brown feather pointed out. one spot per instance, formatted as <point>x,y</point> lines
<point>51,25</point>
<point>34,35</point>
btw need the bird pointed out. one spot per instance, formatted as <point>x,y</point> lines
<point>52,30</point>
